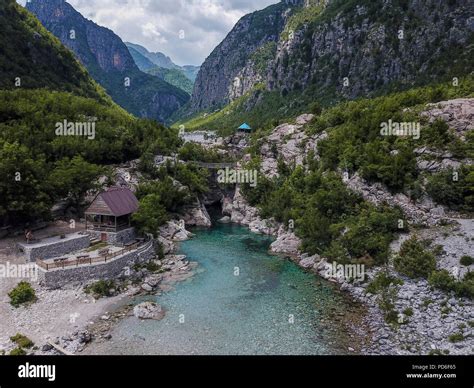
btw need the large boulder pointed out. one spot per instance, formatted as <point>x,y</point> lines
<point>174,231</point>
<point>287,243</point>
<point>148,310</point>
<point>197,216</point>
<point>265,226</point>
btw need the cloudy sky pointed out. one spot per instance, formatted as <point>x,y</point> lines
<point>185,30</point>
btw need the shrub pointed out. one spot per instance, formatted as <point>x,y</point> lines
<point>408,311</point>
<point>456,194</point>
<point>22,341</point>
<point>382,281</point>
<point>22,293</point>
<point>456,337</point>
<point>17,352</point>
<point>316,108</point>
<point>465,287</point>
<point>414,260</point>
<point>442,279</point>
<point>152,266</point>
<point>100,288</point>
<point>466,260</point>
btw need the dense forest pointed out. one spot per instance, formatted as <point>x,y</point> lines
<point>332,220</point>
<point>38,165</point>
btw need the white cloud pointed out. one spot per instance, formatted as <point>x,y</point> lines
<point>156,24</point>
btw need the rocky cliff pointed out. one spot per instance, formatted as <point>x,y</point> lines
<point>330,50</point>
<point>216,83</point>
<point>109,62</point>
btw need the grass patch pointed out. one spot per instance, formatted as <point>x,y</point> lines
<point>97,246</point>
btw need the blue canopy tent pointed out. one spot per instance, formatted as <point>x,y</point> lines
<point>245,127</point>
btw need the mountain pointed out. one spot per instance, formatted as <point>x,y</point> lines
<point>191,71</point>
<point>174,77</point>
<point>143,63</point>
<point>109,62</point>
<point>159,59</point>
<point>143,57</point>
<point>42,85</point>
<point>277,61</point>
<point>213,86</point>
<point>37,58</point>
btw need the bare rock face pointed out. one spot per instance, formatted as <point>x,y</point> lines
<point>457,113</point>
<point>264,226</point>
<point>197,216</point>
<point>229,69</point>
<point>167,245</point>
<point>286,243</point>
<point>148,310</point>
<point>242,213</point>
<point>416,212</point>
<point>227,204</point>
<point>174,231</point>
<point>290,143</point>
<point>350,42</point>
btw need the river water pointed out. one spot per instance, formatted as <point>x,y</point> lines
<point>241,300</point>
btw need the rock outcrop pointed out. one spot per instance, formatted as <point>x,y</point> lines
<point>417,213</point>
<point>240,210</point>
<point>174,231</point>
<point>287,243</point>
<point>457,113</point>
<point>148,310</point>
<point>197,215</point>
<point>336,51</point>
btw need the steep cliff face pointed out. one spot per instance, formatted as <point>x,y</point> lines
<point>333,49</point>
<point>109,62</point>
<point>218,80</point>
<point>358,48</point>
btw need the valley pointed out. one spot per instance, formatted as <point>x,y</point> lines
<point>307,190</point>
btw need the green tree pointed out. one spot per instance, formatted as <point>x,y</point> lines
<point>150,215</point>
<point>24,191</point>
<point>73,178</point>
<point>414,260</point>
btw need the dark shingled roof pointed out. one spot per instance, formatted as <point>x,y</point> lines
<point>116,201</point>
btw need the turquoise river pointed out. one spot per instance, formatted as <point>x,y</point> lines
<point>241,300</point>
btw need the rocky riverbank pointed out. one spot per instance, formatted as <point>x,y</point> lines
<point>428,320</point>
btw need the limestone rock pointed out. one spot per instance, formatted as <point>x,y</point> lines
<point>148,310</point>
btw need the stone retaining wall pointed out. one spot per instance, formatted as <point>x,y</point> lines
<point>54,249</point>
<point>116,238</point>
<point>57,278</point>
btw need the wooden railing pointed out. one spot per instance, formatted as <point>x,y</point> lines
<point>66,263</point>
